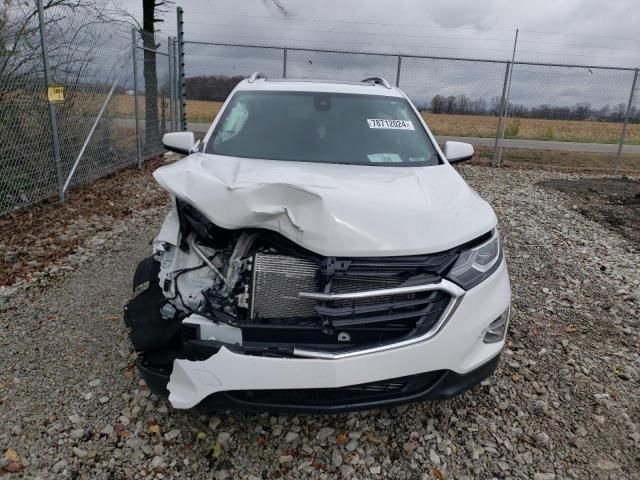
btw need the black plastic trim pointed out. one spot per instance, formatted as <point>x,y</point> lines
<point>146,271</point>
<point>147,329</point>
<point>449,385</point>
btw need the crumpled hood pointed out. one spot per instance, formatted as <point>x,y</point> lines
<point>334,210</point>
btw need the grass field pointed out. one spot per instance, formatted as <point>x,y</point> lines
<point>532,128</point>
<point>454,125</point>
<point>583,162</point>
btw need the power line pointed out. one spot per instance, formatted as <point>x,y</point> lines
<point>447,37</point>
<point>356,22</point>
<point>226,25</point>
<point>352,22</point>
<point>502,28</point>
<point>343,42</point>
<point>286,41</point>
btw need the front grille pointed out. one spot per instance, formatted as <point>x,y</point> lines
<point>280,316</point>
<point>421,309</point>
<point>362,283</point>
<point>358,283</point>
<point>324,397</point>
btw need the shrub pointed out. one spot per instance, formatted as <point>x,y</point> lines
<point>513,129</point>
<point>548,133</point>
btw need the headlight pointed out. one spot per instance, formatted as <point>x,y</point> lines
<point>477,263</point>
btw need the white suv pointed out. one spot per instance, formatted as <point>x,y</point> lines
<point>321,255</point>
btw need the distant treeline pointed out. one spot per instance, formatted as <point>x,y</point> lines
<point>218,87</point>
<point>463,105</point>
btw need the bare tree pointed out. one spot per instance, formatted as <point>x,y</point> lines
<point>152,11</point>
<point>19,32</point>
<point>71,34</point>
<point>619,112</point>
<point>438,104</point>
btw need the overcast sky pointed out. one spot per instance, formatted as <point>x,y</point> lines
<point>586,32</point>
<point>573,31</point>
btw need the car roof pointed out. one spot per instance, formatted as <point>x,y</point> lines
<point>311,85</point>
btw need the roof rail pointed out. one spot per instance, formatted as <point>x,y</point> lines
<point>255,75</point>
<point>378,81</point>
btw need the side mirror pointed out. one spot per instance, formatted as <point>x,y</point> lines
<point>179,142</point>
<point>458,151</point>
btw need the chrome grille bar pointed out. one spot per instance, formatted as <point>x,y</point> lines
<point>444,285</point>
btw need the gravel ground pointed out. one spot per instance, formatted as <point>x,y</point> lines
<point>614,202</point>
<point>563,404</point>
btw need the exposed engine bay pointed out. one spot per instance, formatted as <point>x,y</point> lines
<point>254,291</point>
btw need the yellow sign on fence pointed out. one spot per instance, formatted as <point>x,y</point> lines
<point>55,93</point>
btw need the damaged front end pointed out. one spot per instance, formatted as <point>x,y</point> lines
<point>254,292</point>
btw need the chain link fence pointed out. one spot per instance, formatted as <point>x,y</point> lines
<point>27,171</point>
<point>96,70</point>
<point>567,103</point>
<point>531,106</point>
<point>632,134</point>
<point>107,121</point>
<point>154,112</point>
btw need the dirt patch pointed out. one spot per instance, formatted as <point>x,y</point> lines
<point>43,234</point>
<point>612,202</point>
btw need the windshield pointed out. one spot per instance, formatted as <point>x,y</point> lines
<point>322,127</point>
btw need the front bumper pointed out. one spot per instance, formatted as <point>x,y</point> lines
<point>436,385</point>
<point>456,359</point>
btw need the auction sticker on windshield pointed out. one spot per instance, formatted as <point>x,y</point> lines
<point>390,124</point>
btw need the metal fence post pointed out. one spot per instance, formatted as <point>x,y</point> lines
<point>398,70</point>
<point>134,56</point>
<point>500,126</point>
<point>174,82</point>
<point>284,63</point>
<point>182,93</point>
<point>497,160</point>
<point>176,99</point>
<point>626,121</point>
<point>91,132</point>
<point>53,122</point>
<point>171,92</point>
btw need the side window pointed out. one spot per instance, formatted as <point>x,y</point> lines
<point>233,123</point>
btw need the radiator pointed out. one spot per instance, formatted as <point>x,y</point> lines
<point>276,281</point>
